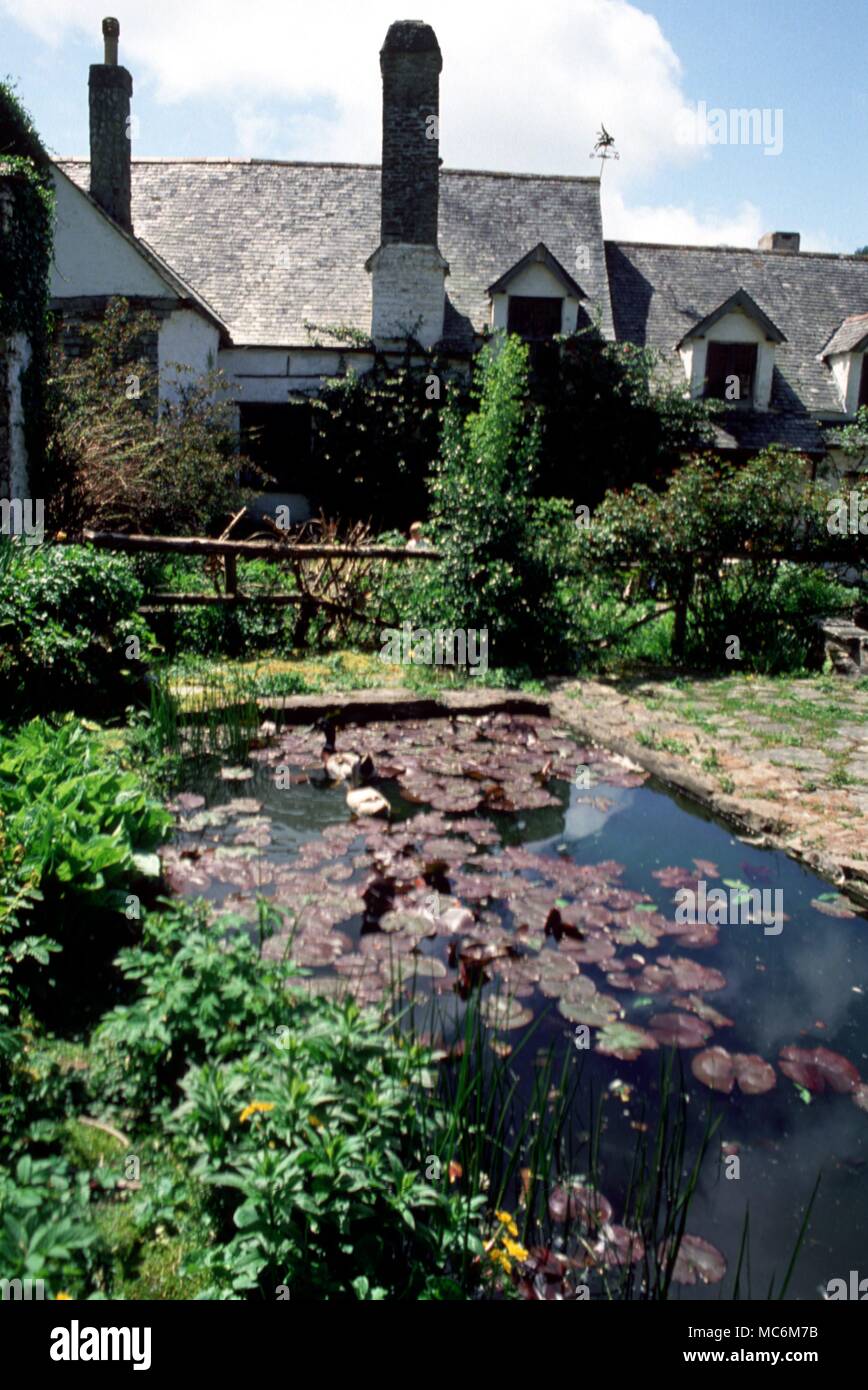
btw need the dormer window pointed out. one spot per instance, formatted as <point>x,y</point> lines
<point>730,371</point>
<point>729,355</point>
<point>846,356</point>
<point>536,298</point>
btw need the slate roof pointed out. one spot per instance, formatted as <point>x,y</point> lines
<point>272,244</point>
<point>660,292</point>
<point>850,337</point>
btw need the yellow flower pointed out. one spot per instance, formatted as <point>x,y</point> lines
<point>513,1248</point>
<point>506,1220</point>
<point>254,1108</point>
<point>315,1121</point>
<point>67,1296</point>
<point>497,1257</point>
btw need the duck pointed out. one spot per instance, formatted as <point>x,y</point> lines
<point>367,801</point>
<point>348,766</point>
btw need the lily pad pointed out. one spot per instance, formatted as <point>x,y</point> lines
<point>697,1262</point>
<point>236,774</point>
<point>680,1030</point>
<point>504,1012</point>
<point>624,1040</point>
<point>818,1067</point>
<point>576,1202</point>
<point>833,905</point>
<point>720,1070</point>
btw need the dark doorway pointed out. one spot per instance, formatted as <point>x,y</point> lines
<point>277,438</point>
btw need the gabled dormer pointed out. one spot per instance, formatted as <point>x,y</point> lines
<point>729,355</point>
<point>536,298</point>
<point>846,356</point>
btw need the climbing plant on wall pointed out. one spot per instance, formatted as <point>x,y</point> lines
<point>26,238</point>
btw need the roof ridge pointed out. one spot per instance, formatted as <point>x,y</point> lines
<point>751,250</point>
<point>207,159</point>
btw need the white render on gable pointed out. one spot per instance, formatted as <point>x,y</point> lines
<point>92,257</point>
<point>734,327</point>
<point>846,368</point>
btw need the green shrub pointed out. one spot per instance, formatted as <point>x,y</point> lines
<point>672,546</point>
<point>506,555</point>
<point>67,617</point>
<point>121,459</point>
<point>77,834</point>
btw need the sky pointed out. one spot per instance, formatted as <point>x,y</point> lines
<point>524,88</point>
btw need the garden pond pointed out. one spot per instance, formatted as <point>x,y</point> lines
<point>539,877</point>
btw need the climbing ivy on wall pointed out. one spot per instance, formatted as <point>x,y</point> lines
<point>26,239</point>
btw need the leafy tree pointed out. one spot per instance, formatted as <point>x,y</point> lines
<point>501,548</point>
<point>121,460</point>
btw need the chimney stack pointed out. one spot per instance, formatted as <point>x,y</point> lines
<point>779,241</point>
<point>410,62</point>
<point>110,89</point>
<point>408,271</point>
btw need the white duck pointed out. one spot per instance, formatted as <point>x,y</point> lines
<point>366,801</point>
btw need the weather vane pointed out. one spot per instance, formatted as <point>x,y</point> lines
<point>604,148</point>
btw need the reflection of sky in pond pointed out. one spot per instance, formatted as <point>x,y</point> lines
<point>779,988</point>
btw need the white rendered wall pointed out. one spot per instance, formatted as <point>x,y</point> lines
<point>186,339</point>
<point>91,256</point>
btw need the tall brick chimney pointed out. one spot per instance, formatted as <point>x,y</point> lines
<point>110,89</point>
<point>407,269</point>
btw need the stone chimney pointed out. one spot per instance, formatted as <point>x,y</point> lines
<point>779,241</point>
<point>408,271</point>
<point>110,89</point>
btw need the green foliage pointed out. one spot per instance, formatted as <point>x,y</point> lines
<point>45,1228</point>
<point>26,241</point>
<point>374,437</point>
<point>76,830</point>
<point>611,417</point>
<point>673,545</point>
<point>66,617</point>
<point>505,554</point>
<point>852,439</point>
<point>120,460</point>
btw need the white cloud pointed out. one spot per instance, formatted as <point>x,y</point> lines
<point>683,226</point>
<point>521,89</point>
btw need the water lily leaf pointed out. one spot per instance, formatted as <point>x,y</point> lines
<point>624,1041</point>
<point>714,1068</point>
<point>236,774</point>
<point>576,1202</point>
<point>754,1075</point>
<point>860,1096</point>
<point>818,1067</point>
<point>504,1011</point>
<point>596,1010</point>
<point>680,1030</point>
<point>697,1262</point>
<point>833,905</point>
<point>617,1247</point>
<point>186,801</point>
<point>414,923</point>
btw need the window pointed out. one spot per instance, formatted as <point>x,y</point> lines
<point>728,360</point>
<point>863,383</point>
<point>534,316</point>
